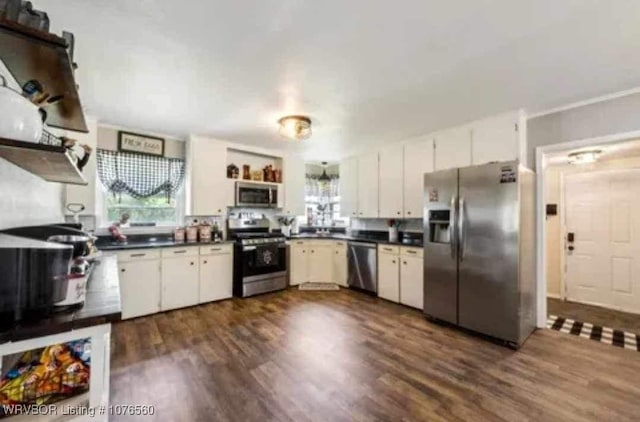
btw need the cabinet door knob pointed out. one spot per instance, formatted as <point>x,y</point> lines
<point>398,213</point>
<point>393,262</point>
<point>191,263</point>
<point>122,270</point>
<point>409,212</point>
<point>405,262</point>
<point>312,251</point>
<point>205,262</point>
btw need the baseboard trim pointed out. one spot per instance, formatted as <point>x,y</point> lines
<point>553,296</point>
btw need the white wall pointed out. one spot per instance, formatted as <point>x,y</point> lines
<point>26,199</point>
<point>553,225</point>
<point>108,139</point>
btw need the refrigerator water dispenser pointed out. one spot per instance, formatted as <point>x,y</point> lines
<point>439,226</point>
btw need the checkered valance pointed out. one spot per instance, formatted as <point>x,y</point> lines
<point>140,176</point>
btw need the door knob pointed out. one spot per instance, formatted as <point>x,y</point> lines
<point>571,248</point>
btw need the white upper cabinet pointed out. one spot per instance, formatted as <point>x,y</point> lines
<point>453,148</point>
<point>418,160</point>
<point>391,164</point>
<point>349,187</point>
<point>206,183</point>
<point>499,138</point>
<point>293,176</point>
<point>368,186</point>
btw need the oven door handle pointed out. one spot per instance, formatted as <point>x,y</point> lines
<point>249,248</point>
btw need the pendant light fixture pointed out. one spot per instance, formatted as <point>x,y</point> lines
<point>324,177</point>
<point>295,127</point>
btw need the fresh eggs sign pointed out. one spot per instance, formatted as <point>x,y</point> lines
<point>141,144</point>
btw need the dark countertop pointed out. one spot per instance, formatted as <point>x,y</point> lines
<point>102,306</point>
<point>374,238</point>
<point>146,242</point>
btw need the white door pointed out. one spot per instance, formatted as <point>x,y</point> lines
<point>179,282</point>
<point>349,187</point>
<point>391,164</point>
<point>418,160</point>
<point>368,185</point>
<point>298,264</point>
<point>321,263</point>
<point>602,214</point>
<point>216,277</point>
<point>139,287</point>
<point>389,277</point>
<point>411,282</point>
<point>293,175</point>
<point>453,148</point>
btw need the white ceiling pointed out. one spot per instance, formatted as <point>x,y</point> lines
<point>365,71</point>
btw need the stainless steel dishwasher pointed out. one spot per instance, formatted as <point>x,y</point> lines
<point>363,266</point>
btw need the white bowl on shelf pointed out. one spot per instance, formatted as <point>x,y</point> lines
<point>21,120</point>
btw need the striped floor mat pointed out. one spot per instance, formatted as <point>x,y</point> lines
<point>594,332</point>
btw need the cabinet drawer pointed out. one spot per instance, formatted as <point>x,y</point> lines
<point>182,251</point>
<point>138,255</point>
<point>417,252</point>
<point>390,249</point>
<point>297,243</point>
<point>216,249</point>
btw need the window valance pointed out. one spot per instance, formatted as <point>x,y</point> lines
<point>140,176</point>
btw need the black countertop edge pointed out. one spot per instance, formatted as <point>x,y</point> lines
<point>102,306</point>
<point>121,246</point>
<point>356,238</point>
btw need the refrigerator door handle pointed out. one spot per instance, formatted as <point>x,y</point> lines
<point>461,228</point>
<point>452,225</point>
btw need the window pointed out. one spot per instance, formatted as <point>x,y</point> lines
<point>147,188</point>
<point>157,210</point>
<point>322,202</point>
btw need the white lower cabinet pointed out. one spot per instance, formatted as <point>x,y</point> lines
<point>317,261</point>
<point>320,263</point>
<point>139,286</point>
<point>216,273</point>
<point>298,265</point>
<point>412,277</point>
<point>389,273</point>
<point>340,263</point>
<point>154,280</point>
<point>180,282</point>
<point>400,275</point>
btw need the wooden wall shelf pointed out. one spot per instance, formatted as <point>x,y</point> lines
<point>50,162</point>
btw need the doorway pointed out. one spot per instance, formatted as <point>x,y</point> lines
<point>591,239</point>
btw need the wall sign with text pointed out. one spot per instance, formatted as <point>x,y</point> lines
<point>141,144</point>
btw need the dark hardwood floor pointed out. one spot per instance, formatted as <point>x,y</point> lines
<point>340,356</point>
<point>595,315</point>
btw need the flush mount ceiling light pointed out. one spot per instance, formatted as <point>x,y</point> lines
<point>584,157</point>
<point>295,127</point>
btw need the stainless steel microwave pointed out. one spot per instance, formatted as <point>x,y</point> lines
<point>256,195</point>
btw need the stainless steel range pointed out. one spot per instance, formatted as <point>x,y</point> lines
<point>259,259</point>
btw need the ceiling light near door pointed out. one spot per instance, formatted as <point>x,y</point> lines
<point>584,157</point>
<point>295,127</point>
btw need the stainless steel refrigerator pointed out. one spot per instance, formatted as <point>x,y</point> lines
<point>479,249</point>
